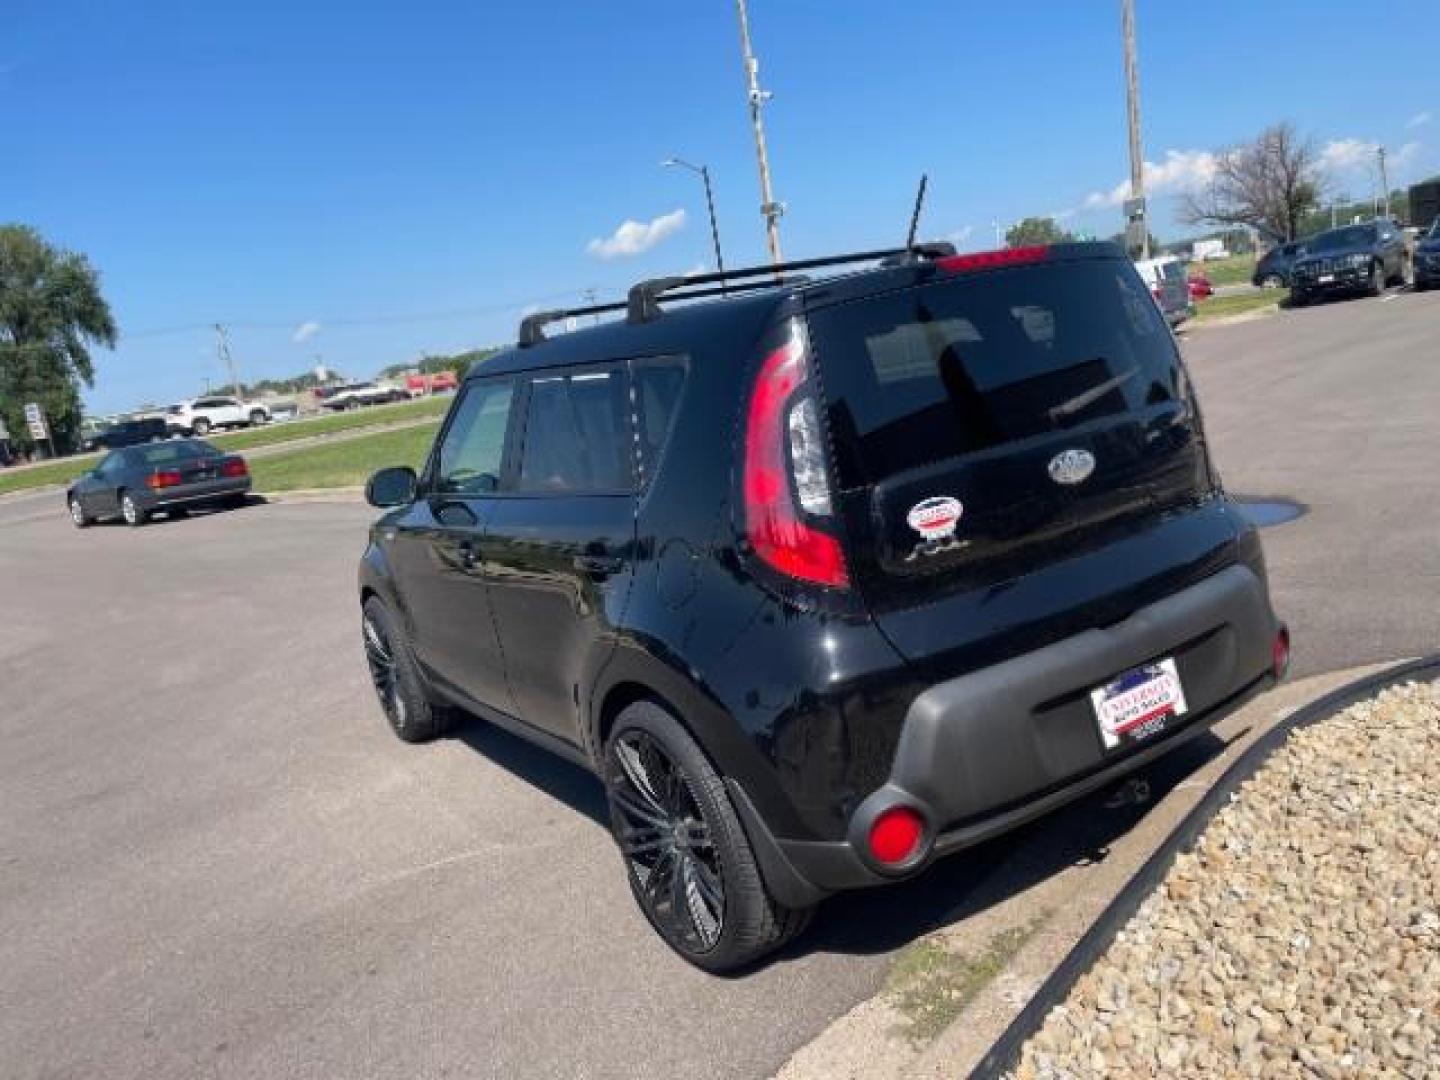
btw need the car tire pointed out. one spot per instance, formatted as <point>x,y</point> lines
<point>77,514</point>
<point>1298,298</point>
<point>681,840</point>
<point>257,417</point>
<point>131,512</point>
<point>201,427</point>
<point>397,678</point>
<point>1272,281</point>
<point>235,502</point>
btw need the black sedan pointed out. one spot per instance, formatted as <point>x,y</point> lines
<point>176,476</point>
<point>1427,258</point>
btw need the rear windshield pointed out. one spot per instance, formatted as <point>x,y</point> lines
<point>166,453</point>
<point>973,362</point>
<point>1354,236</point>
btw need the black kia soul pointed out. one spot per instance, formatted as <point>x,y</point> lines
<point>826,578</point>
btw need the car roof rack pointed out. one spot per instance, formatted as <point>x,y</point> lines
<point>643,302</point>
<point>532,326</point>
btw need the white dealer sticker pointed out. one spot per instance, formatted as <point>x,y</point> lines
<point>935,519</point>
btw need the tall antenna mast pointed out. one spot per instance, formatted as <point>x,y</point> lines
<point>769,208</point>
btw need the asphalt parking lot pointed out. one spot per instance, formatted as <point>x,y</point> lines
<point>216,861</point>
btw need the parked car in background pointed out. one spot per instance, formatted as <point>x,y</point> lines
<point>1273,269</point>
<point>1353,258</point>
<point>1427,258</point>
<point>1200,286</point>
<point>112,436</point>
<point>175,476</point>
<point>435,383</point>
<point>830,579</point>
<point>203,415</point>
<point>1165,277</point>
<point>1209,249</point>
<point>356,395</point>
<point>282,410</point>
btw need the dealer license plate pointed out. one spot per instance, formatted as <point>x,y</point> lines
<point>1139,704</point>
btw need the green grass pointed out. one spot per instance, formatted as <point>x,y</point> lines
<point>1235,270</point>
<point>54,472</point>
<point>290,430</point>
<point>1216,307</point>
<point>342,464</point>
<point>931,986</point>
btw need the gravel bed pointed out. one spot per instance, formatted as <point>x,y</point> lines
<point>1300,937</point>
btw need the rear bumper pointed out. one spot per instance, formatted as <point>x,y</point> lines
<point>194,494</point>
<point>1348,279</point>
<point>984,753</point>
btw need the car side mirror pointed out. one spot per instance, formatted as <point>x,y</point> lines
<point>395,486</point>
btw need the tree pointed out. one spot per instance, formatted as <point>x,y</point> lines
<point>1035,230</point>
<point>51,310</point>
<point>1269,184</point>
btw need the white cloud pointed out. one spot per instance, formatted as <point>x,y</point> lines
<point>960,235</point>
<point>1406,154</point>
<point>1420,119</point>
<point>304,332</point>
<point>1061,216</point>
<point>634,237</point>
<point>1182,170</point>
<point>1345,155</point>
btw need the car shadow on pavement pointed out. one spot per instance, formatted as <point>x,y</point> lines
<point>880,920</point>
<point>576,787</point>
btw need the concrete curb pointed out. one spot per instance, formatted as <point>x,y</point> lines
<point>1005,1053</point>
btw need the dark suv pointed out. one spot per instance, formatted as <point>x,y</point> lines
<point>1354,258</point>
<point>826,578</point>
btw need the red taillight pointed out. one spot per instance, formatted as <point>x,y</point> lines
<point>164,478</point>
<point>1280,652</point>
<point>234,467</point>
<point>776,529</point>
<point>895,835</point>
<point>989,260</point>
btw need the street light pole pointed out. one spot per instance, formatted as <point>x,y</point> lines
<point>1384,179</point>
<point>769,208</point>
<point>704,171</point>
<point>1136,205</point>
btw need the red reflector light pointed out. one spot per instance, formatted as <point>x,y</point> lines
<point>234,467</point>
<point>895,835</point>
<point>1280,652</point>
<point>164,478</point>
<point>989,260</point>
<point>773,523</point>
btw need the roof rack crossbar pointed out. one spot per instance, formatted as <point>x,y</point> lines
<point>532,326</point>
<point>643,302</point>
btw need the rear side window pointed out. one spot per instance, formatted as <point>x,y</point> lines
<point>576,434</point>
<point>658,384</point>
<point>967,364</point>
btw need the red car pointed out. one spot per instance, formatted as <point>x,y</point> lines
<point>1200,286</point>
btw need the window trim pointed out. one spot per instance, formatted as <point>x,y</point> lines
<point>637,418</point>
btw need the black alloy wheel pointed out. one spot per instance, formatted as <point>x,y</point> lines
<point>397,680</point>
<point>689,862</point>
<point>666,842</point>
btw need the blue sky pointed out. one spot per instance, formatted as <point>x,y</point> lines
<point>399,179</point>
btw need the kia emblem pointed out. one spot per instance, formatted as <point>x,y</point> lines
<point>1072,466</point>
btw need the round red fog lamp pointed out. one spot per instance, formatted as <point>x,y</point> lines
<point>1280,652</point>
<point>895,835</point>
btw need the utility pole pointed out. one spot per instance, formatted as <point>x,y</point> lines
<point>222,348</point>
<point>769,208</point>
<point>1384,179</point>
<point>1135,207</point>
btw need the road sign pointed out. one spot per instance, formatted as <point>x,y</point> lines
<point>35,420</point>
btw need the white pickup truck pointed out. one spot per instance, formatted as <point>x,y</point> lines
<point>354,395</point>
<point>200,416</point>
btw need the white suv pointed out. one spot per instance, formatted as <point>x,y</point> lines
<point>198,417</point>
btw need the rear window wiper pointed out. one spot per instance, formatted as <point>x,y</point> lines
<point>1088,397</point>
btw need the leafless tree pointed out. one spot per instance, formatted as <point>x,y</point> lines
<point>1268,184</point>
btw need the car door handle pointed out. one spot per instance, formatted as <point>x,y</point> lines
<point>599,565</point>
